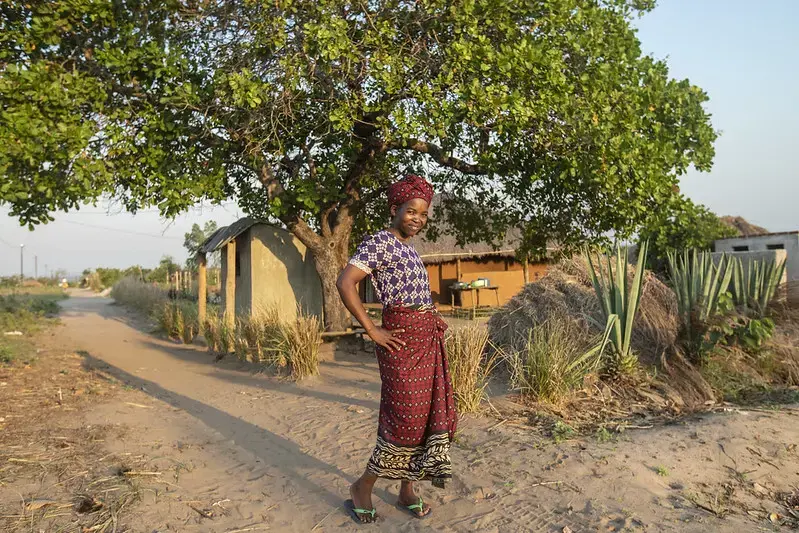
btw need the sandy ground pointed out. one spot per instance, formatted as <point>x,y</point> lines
<point>248,452</point>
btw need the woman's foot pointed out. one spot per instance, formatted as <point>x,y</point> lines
<point>411,502</point>
<point>361,494</point>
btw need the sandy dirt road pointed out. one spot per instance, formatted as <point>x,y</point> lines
<point>270,455</point>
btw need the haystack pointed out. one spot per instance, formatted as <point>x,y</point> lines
<point>566,293</point>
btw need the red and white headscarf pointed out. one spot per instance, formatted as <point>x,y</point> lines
<point>408,188</point>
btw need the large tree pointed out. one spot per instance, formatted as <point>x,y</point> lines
<point>544,110</point>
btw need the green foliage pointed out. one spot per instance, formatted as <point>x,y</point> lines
<point>755,283</point>
<point>562,431</point>
<point>545,111</point>
<point>748,333</point>
<point>662,471</point>
<point>179,320</point>
<point>619,300</point>
<point>709,297</point>
<point>162,273</point>
<point>27,314</point>
<point>554,363</point>
<point>678,225</point>
<point>701,289</point>
<point>602,435</point>
<point>194,239</point>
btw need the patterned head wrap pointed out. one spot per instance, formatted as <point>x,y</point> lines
<point>408,188</point>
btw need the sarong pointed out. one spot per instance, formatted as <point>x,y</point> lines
<point>417,410</point>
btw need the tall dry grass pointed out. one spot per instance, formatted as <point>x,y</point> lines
<point>179,320</point>
<point>470,366</point>
<point>290,346</point>
<point>143,297</point>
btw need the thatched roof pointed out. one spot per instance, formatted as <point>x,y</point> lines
<point>744,228</point>
<point>446,249</point>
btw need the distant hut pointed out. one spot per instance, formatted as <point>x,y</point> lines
<point>265,266</point>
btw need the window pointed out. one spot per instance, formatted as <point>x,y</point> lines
<point>775,246</point>
<point>740,248</point>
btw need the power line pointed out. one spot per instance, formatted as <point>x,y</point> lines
<point>123,212</point>
<point>120,230</point>
<point>7,243</point>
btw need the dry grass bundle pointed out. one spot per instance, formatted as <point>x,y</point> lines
<point>302,338</point>
<point>264,337</point>
<point>469,368</point>
<point>566,292</point>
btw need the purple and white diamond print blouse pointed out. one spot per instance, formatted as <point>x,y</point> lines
<point>398,274</point>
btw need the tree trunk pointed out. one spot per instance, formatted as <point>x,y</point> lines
<point>330,252</point>
<point>329,264</point>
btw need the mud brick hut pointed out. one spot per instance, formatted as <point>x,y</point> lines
<point>264,266</point>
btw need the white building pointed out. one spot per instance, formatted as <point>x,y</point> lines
<point>787,240</point>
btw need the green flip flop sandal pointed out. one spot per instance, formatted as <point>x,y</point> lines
<point>356,513</point>
<point>415,509</point>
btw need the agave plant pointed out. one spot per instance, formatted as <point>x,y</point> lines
<point>754,284</point>
<point>699,285</point>
<point>620,299</point>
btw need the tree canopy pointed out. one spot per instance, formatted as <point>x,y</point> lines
<point>546,111</point>
<point>680,224</point>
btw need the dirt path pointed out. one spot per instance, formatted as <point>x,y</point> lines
<point>261,453</point>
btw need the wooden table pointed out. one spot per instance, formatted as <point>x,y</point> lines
<point>476,299</point>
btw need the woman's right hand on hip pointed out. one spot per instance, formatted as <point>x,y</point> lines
<point>387,339</point>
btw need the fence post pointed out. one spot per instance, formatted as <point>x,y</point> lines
<point>202,291</point>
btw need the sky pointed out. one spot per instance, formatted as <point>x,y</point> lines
<point>744,54</point>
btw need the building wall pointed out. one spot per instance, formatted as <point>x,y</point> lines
<point>761,243</point>
<point>283,273</point>
<point>243,292</point>
<point>507,274</point>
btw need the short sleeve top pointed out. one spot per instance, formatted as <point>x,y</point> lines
<point>398,274</point>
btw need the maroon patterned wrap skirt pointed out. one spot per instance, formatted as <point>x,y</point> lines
<point>417,408</point>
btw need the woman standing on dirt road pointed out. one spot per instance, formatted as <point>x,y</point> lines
<point>417,411</point>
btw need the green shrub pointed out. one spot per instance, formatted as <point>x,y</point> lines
<point>556,360</point>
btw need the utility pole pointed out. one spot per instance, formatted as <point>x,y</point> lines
<point>35,267</point>
<point>21,263</point>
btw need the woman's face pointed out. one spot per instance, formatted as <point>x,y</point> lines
<point>410,217</point>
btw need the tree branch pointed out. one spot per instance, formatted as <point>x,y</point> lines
<point>438,155</point>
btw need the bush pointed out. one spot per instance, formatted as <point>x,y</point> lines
<point>179,320</point>
<point>469,369</point>
<point>146,298</point>
<point>555,361</point>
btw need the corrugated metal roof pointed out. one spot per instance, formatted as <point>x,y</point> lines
<point>225,234</point>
